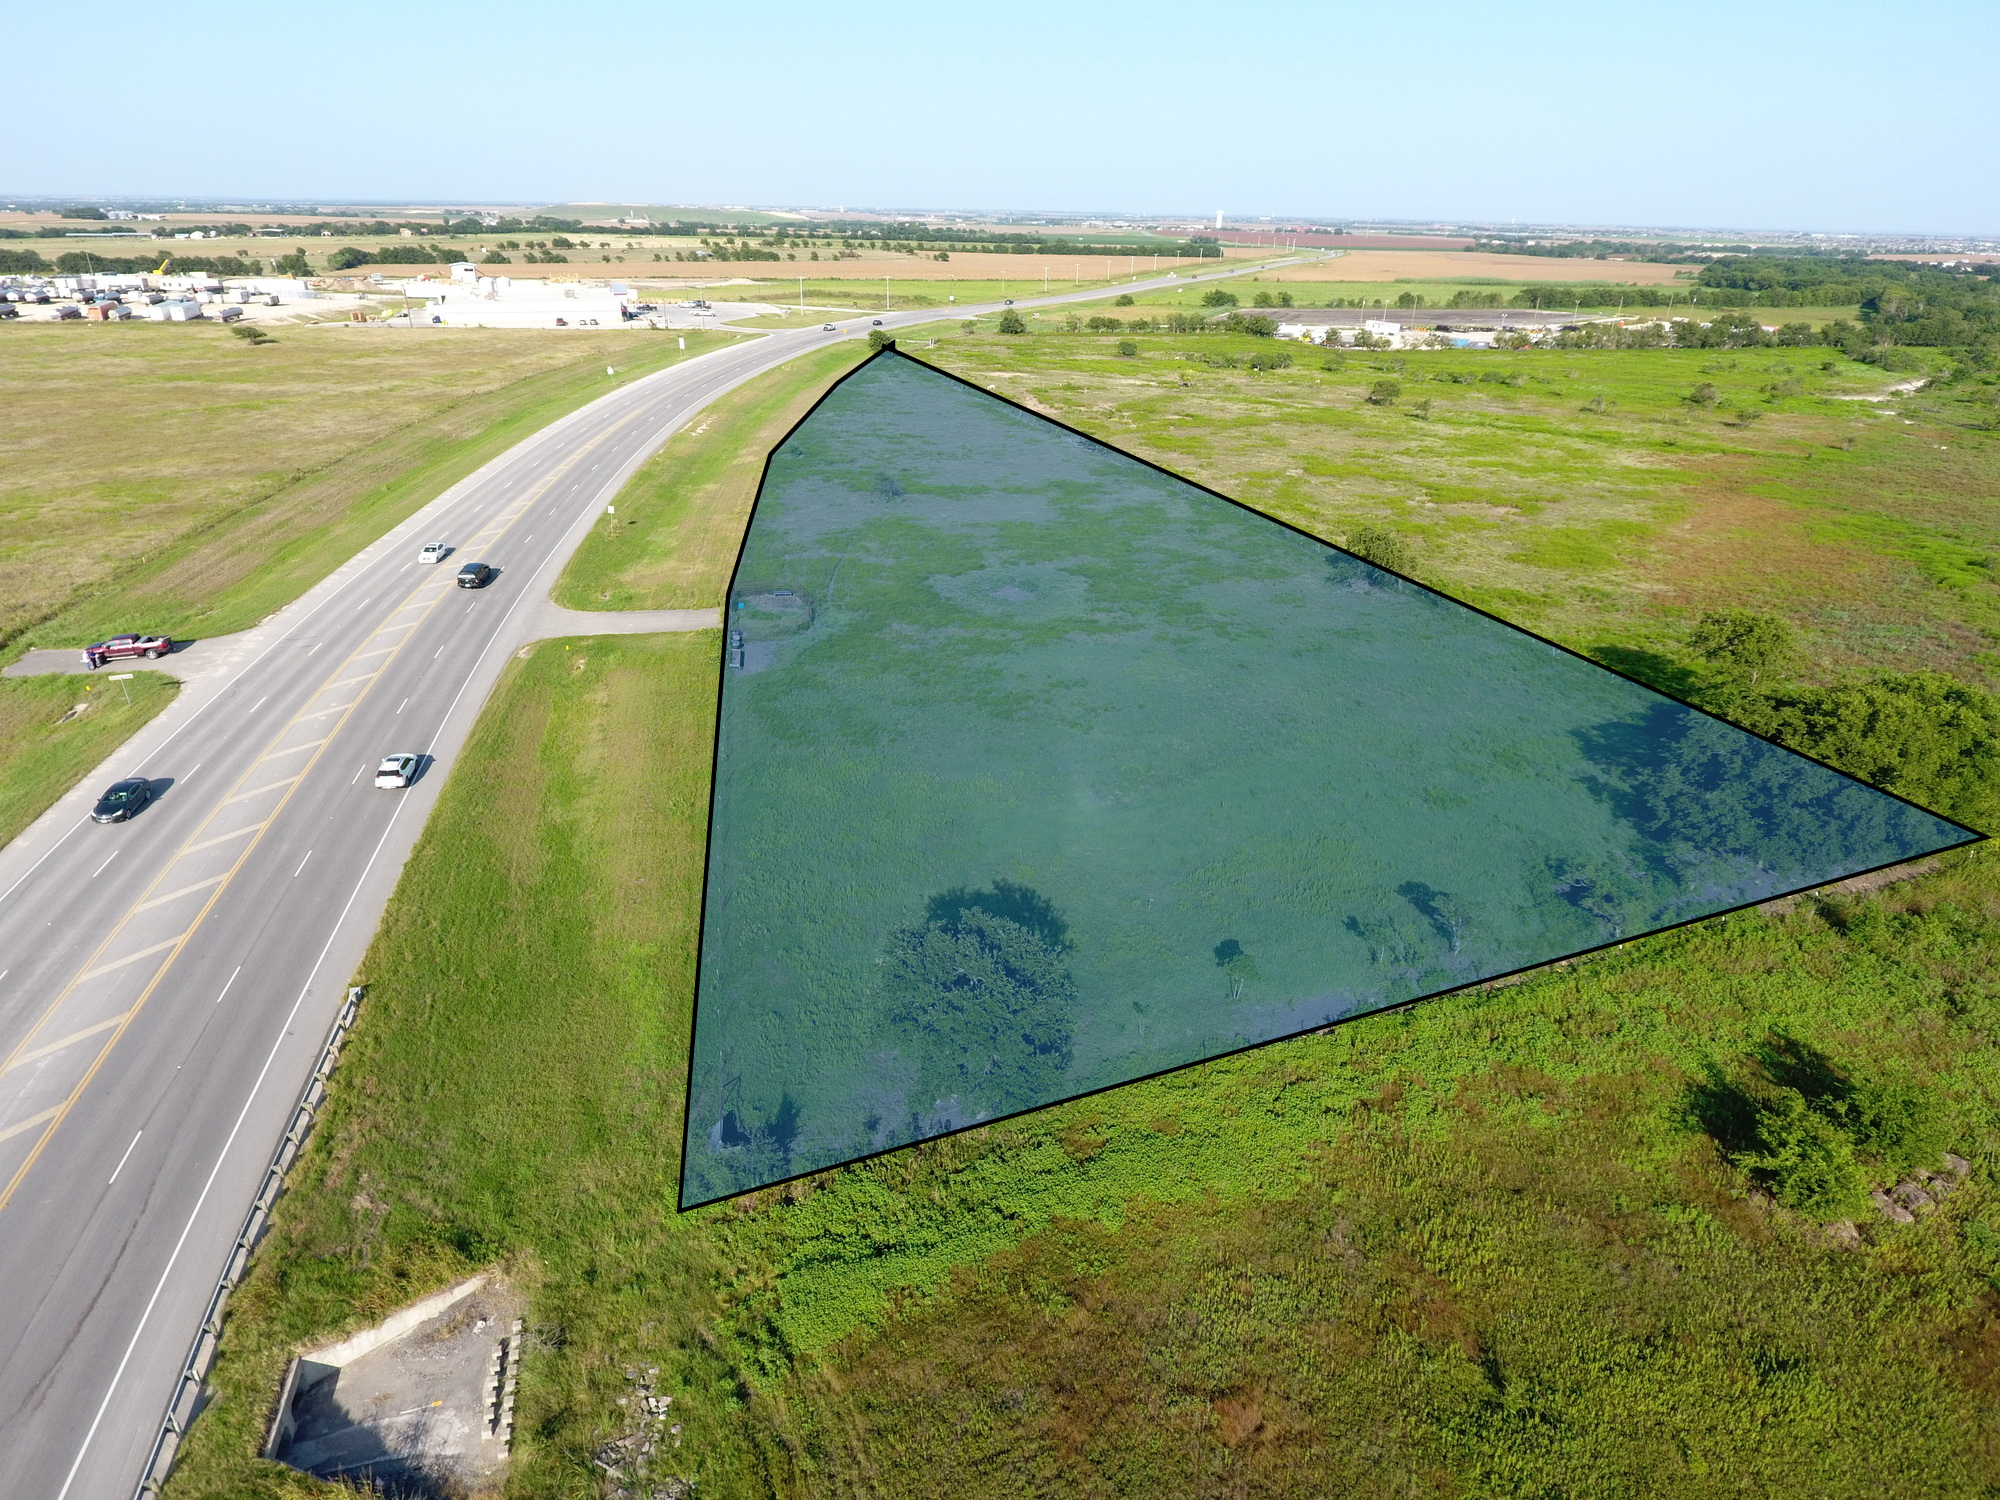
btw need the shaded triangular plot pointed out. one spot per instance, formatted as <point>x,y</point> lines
<point>1040,770</point>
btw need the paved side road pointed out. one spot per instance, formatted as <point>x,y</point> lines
<point>165,984</point>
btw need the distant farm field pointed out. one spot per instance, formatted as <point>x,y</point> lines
<point>1390,265</point>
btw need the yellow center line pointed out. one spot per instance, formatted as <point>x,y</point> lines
<point>199,885</point>
<point>50,1048</point>
<point>306,744</point>
<point>223,838</point>
<point>269,786</point>
<point>130,958</point>
<point>30,1123</point>
<point>56,1116</point>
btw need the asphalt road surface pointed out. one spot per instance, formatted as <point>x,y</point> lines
<point>166,984</point>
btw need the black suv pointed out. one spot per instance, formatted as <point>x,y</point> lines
<point>124,799</point>
<point>474,576</point>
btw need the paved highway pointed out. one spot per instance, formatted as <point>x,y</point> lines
<point>166,984</point>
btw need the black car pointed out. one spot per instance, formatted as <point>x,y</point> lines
<point>474,576</point>
<point>124,799</point>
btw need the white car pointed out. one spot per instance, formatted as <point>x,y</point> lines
<point>434,553</point>
<point>396,771</point>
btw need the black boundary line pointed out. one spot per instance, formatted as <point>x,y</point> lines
<point>1975,837</point>
<point>715,762</point>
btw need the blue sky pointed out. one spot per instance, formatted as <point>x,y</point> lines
<point>1769,113</point>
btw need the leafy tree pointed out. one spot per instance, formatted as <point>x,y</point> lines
<point>495,258</point>
<point>346,258</point>
<point>1010,322</point>
<point>294,264</point>
<point>1804,1157</point>
<point>988,1003</point>
<point>1704,394</point>
<point>1217,297</point>
<point>1384,393</point>
<point>1124,299</point>
<point>878,340</point>
<point>1127,349</point>
<point>1744,643</point>
<point>1921,735</point>
<point>1381,547</point>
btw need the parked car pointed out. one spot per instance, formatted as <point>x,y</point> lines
<point>434,553</point>
<point>124,799</point>
<point>396,771</point>
<point>474,576</point>
<point>152,647</point>
<point>10,311</point>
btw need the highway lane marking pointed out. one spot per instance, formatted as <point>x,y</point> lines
<point>321,713</point>
<point>405,703</point>
<point>122,1160</point>
<point>190,775</point>
<point>131,958</point>
<point>50,1049</point>
<point>61,1112</point>
<point>302,865</point>
<point>268,786</point>
<point>222,838</point>
<point>199,885</point>
<point>231,980</point>
<point>30,1123</point>
<point>357,774</point>
<point>256,1087</point>
<point>106,865</point>
<point>307,745</point>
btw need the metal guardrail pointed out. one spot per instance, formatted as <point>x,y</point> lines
<point>187,1402</point>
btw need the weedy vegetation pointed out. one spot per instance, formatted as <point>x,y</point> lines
<point>1612,1229</point>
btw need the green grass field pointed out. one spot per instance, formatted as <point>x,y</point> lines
<point>228,478</point>
<point>680,519</point>
<point>1585,494</point>
<point>173,478</point>
<point>1202,770</point>
<point>1500,1244</point>
<point>43,749</point>
<point>1483,1246</point>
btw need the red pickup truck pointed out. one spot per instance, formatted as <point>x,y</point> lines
<point>152,647</point>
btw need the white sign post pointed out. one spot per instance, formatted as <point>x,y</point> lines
<point>121,678</point>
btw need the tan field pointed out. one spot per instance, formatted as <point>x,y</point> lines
<point>1393,265</point>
